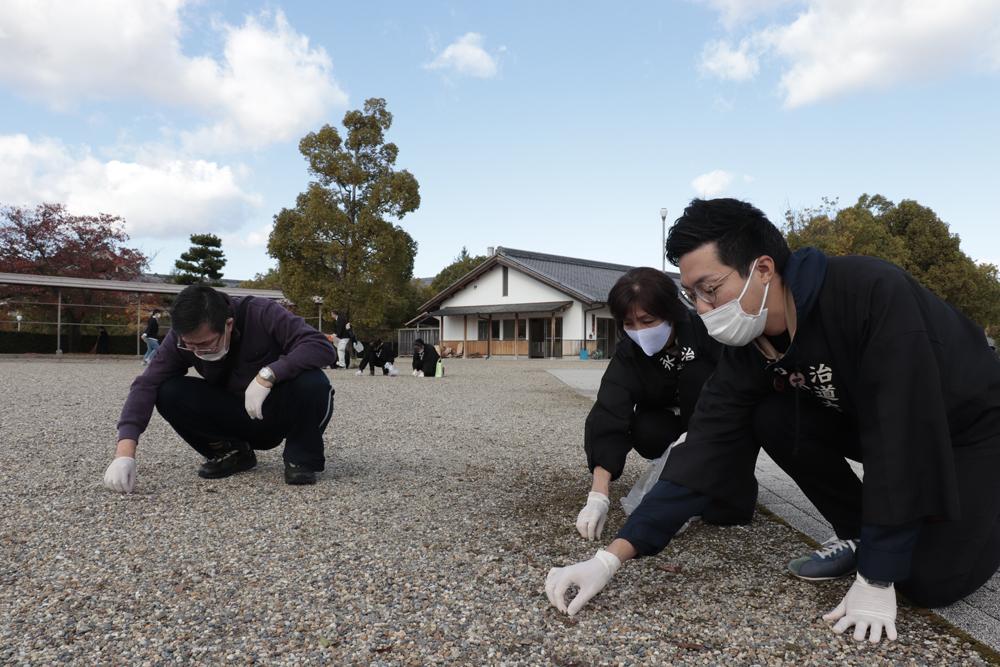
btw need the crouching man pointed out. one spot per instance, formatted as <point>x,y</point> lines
<point>260,384</point>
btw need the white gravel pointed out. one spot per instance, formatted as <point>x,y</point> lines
<point>426,542</point>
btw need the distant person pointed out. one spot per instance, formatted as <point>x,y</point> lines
<point>378,354</point>
<point>152,336</point>
<point>425,359</point>
<point>103,342</point>
<point>260,384</point>
<point>344,334</point>
<point>649,391</point>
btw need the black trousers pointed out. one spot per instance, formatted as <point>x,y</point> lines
<point>297,410</point>
<point>653,430</point>
<point>951,558</point>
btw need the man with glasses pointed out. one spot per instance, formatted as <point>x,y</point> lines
<point>260,384</point>
<point>830,359</point>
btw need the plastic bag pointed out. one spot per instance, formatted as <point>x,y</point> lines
<point>439,371</point>
<point>648,479</point>
<point>358,347</point>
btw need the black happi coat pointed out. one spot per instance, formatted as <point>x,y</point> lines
<point>426,361</point>
<point>869,341</point>
<point>634,379</point>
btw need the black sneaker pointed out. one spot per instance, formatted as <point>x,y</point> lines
<point>838,558</point>
<point>298,474</point>
<point>227,463</point>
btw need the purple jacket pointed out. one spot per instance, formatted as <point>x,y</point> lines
<point>272,337</point>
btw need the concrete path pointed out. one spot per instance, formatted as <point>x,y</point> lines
<point>978,615</point>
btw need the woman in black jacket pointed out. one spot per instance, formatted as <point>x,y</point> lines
<point>425,359</point>
<point>649,389</point>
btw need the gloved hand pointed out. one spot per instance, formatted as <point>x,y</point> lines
<point>590,577</point>
<point>358,373</point>
<point>420,374</point>
<point>866,607</point>
<point>120,475</point>
<point>415,371</point>
<point>254,401</point>
<point>590,521</point>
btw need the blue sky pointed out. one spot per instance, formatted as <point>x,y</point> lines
<point>552,127</point>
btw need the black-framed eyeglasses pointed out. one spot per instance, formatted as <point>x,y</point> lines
<point>703,291</point>
<point>201,350</point>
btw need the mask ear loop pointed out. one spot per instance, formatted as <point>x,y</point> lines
<point>747,286</point>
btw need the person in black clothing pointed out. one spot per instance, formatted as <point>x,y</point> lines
<point>425,359</point>
<point>103,342</point>
<point>344,334</point>
<point>378,354</point>
<point>152,336</point>
<point>845,358</point>
<point>649,391</point>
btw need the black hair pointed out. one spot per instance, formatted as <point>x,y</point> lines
<point>650,289</point>
<point>198,305</point>
<point>418,342</point>
<point>335,312</point>
<point>156,311</point>
<point>377,342</point>
<point>741,233</point>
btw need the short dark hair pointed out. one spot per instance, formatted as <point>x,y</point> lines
<point>418,342</point>
<point>649,289</point>
<point>335,312</point>
<point>741,233</point>
<point>377,342</point>
<point>198,305</point>
<point>156,311</point>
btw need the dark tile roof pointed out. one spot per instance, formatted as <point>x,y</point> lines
<point>503,308</point>
<point>591,279</point>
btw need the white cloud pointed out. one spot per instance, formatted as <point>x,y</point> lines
<point>160,198</point>
<point>466,56</point>
<point>838,47</point>
<point>268,86</point>
<point>713,183</point>
<point>718,59</point>
<point>255,239</point>
<point>732,12</point>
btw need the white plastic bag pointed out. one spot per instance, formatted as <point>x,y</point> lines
<point>648,479</point>
<point>358,347</point>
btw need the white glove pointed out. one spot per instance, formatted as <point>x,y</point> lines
<point>866,607</point>
<point>420,374</point>
<point>358,373</point>
<point>392,370</point>
<point>120,475</point>
<point>254,401</point>
<point>590,577</point>
<point>590,522</point>
<point>415,371</point>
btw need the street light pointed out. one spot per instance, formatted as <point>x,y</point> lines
<point>663,248</point>
<point>18,322</point>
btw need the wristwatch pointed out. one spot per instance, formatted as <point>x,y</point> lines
<point>266,374</point>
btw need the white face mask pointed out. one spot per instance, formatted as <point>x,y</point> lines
<point>214,356</point>
<point>730,325</point>
<point>653,339</point>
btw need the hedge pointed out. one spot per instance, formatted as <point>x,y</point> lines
<point>18,342</point>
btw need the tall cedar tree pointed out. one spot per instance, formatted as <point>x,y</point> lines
<point>202,263</point>
<point>912,237</point>
<point>336,243</point>
<point>48,241</point>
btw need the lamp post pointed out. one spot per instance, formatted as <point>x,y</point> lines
<point>663,248</point>
<point>19,322</point>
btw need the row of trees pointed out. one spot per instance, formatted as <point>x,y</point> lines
<point>912,237</point>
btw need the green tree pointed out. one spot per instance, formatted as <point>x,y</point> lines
<point>202,263</point>
<point>463,263</point>
<point>912,237</point>
<point>336,243</point>
<point>270,279</point>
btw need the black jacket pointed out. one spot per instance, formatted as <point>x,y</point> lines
<point>377,357</point>
<point>426,361</point>
<point>869,341</point>
<point>152,328</point>
<point>342,328</point>
<point>634,379</point>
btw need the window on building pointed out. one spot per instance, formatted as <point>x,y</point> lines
<point>505,282</point>
<point>508,329</point>
<point>484,329</point>
<point>522,329</point>
<point>496,329</point>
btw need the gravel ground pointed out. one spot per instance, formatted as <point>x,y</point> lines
<point>426,542</point>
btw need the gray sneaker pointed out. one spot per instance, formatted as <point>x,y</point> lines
<point>837,558</point>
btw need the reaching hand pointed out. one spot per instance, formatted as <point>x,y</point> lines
<point>590,577</point>
<point>590,521</point>
<point>866,607</point>
<point>120,475</point>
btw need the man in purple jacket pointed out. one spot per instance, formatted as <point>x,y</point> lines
<point>260,384</point>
